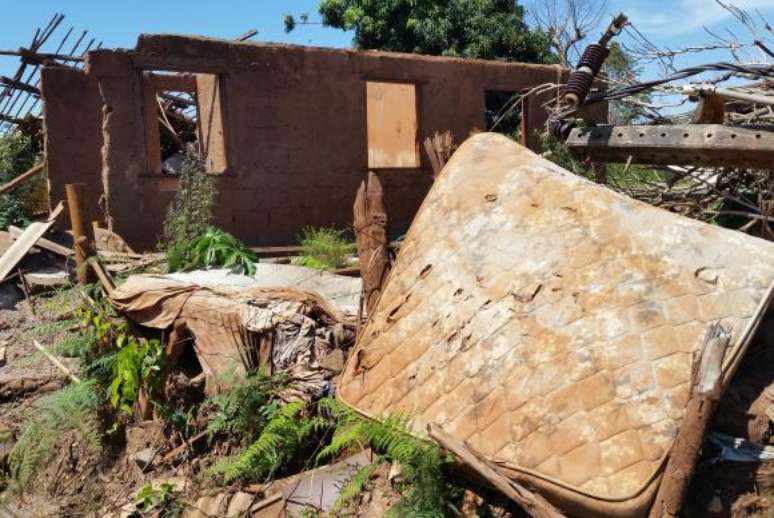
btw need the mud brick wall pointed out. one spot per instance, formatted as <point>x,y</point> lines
<point>294,130</point>
<point>73,133</point>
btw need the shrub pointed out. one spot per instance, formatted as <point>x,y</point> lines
<point>244,410</point>
<point>324,248</point>
<point>17,154</point>
<point>190,212</point>
<point>213,248</point>
<point>137,362</point>
<point>73,408</point>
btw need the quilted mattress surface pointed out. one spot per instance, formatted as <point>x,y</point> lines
<point>550,323</point>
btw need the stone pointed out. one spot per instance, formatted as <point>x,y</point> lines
<point>143,457</point>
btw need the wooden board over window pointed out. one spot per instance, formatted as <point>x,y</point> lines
<point>392,125</point>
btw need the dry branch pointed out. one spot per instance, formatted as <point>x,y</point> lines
<point>532,503</point>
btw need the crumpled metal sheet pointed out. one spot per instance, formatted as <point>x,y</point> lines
<point>550,323</point>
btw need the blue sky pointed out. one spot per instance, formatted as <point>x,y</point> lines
<point>672,23</point>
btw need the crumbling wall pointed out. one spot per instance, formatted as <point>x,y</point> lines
<point>293,141</point>
<point>73,133</point>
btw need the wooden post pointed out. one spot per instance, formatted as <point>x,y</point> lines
<point>371,236</point>
<point>705,392</point>
<point>83,232</point>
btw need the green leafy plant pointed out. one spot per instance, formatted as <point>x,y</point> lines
<point>353,487</point>
<point>159,501</point>
<point>280,441</point>
<point>138,362</point>
<point>486,29</point>
<point>212,248</point>
<point>427,493</point>
<point>245,409</point>
<point>190,212</point>
<point>324,248</point>
<point>73,408</point>
<point>18,153</point>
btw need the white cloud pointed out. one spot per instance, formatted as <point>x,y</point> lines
<point>678,17</point>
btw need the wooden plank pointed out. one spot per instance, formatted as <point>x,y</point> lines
<point>691,144</point>
<point>29,237</point>
<point>276,251</point>
<point>49,245</point>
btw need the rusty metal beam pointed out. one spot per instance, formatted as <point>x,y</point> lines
<point>691,144</point>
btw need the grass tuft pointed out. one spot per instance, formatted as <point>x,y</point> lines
<point>324,248</point>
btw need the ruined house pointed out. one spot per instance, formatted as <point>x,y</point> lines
<point>288,131</point>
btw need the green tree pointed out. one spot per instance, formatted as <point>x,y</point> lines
<point>18,153</point>
<point>486,29</point>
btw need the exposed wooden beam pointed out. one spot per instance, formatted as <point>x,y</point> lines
<point>691,144</point>
<point>19,85</point>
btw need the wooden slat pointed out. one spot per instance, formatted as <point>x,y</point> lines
<point>22,246</point>
<point>49,245</point>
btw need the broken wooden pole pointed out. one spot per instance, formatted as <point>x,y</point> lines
<point>57,363</point>
<point>83,232</point>
<point>705,393</point>
<point>534,504</point>
<point>371,236</point>
<point>32,171</point>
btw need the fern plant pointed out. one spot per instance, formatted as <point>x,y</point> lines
<point>212,248</point>
<point>427,491</point>
<point>244,410</point>
<point>73,408</point>
<point>353,488</point>
<point>283,437</point>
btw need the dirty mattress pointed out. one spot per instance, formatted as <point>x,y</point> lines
<point>550,323</point>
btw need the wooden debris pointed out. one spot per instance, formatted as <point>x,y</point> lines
<point>532,503</point>
<point>105,279</point>
<point>47,244</point>
<point>711,110</point>
<point>371,236</point>
<point>22,246</point>
<point>439,149</point>
<point>173,454</point>
<point>37,168</point>
<point>57,363</point>
<point>705,392</point>
<point>83,231</point>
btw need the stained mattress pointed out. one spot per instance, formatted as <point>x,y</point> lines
<point>550,323</point>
